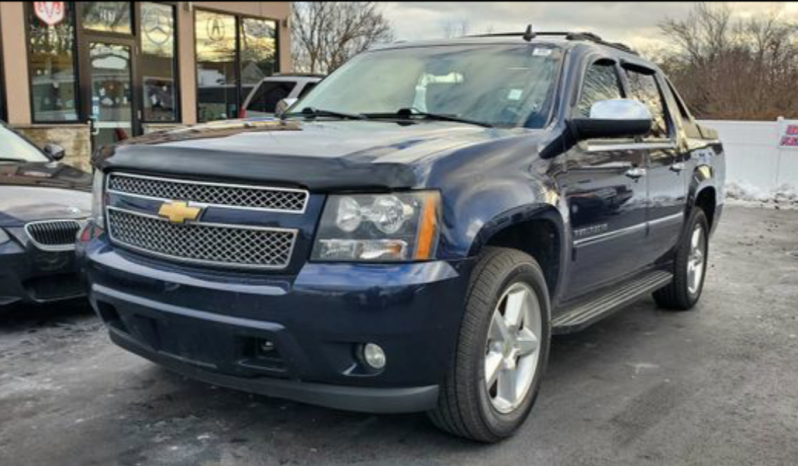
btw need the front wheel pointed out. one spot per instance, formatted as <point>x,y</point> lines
<point>689,268</point>
<point>502,349</point>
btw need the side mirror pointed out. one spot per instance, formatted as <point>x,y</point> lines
<point>614,118</point>
<point>282,106</point>
<point>54,151</point>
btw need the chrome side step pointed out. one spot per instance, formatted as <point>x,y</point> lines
<point>584,314</point>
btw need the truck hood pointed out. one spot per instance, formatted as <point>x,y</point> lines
<point>321,155</point>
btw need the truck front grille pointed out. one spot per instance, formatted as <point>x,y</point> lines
<point>53,235</point>
<point>212,194</point>
<point>232,246</point>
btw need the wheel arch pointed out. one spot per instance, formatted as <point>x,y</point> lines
<point>535,230</point>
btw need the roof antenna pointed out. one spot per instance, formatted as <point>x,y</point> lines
<point>529,35</point>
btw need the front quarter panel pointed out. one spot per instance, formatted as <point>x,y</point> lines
<point>489,187</point>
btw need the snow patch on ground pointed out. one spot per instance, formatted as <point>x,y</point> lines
<point>747,195</point>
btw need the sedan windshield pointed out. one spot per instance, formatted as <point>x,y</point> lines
<point>493,85</point>
<point>14,148</point>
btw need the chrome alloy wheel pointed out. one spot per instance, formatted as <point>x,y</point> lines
<point>696,262</point>
<point>513,349</point>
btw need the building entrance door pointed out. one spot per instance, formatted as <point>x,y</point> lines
<point>111,110</point>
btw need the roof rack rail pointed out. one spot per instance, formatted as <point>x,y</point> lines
<point>583,36</point>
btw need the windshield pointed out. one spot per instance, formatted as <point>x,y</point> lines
<point>497,85</point>
<point>13,147</point>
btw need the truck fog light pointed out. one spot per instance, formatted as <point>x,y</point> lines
<point>374,356</point>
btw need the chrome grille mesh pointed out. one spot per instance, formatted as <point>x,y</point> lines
<point>249,197</point>
<point>53,234</point>
<point>211,244</point>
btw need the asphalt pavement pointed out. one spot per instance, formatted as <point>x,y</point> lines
<point>715,386</point>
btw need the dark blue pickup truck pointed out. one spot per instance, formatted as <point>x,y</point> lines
<point>409,235</point>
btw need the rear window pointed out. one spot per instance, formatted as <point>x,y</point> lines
<point>268,95</point>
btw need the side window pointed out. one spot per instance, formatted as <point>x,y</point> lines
<point>308,87</point>
<point>269,94</point>
<point>643,87</point>
<point>601,83</point>
<point>685,114</point>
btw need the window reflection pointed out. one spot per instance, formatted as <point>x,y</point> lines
<point>216,65</point>
<point>52,68</point>
<point>107,16</point>
<point>157,62</point>
<point>258,52</point>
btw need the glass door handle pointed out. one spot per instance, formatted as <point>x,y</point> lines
<point>94,129</point>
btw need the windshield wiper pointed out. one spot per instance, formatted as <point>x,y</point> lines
<point>408,113</point>
<point>9,159</point>
<point>311,112</point>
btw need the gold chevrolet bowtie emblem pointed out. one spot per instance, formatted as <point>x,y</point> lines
<point>179,212</point>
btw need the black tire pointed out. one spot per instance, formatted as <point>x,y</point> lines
<point>464,407</point>
<point>677,295</point>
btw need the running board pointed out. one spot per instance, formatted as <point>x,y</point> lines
<point>584,314</point>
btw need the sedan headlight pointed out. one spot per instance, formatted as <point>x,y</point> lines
<point>97,198</point>
<point>395,227</point>
<point>4,238</point>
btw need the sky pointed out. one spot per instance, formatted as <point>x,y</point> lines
<point>634,23</point>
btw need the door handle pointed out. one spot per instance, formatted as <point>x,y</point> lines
<point>93,129</point>
<point>677,167</point>
<point>635,173</point>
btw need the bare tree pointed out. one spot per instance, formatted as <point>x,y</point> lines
<point>327,34</point>
<point>729,69</point>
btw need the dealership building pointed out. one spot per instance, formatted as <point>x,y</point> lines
<point>85,74</point>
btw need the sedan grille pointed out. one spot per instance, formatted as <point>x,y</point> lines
<point>214,194</point>
<point>53,235</point>
<point>202,243</point>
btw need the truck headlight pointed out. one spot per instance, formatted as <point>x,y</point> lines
<point>4,238</point>
<point>394,227</point>
<point>97,198</point>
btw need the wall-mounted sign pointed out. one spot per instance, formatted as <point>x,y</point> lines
<point>788,135</point>
<point>51,13</point>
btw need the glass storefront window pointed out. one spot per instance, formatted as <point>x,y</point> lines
<point>258,52</point>
<point>157,62</point>
<point>52,68</point>
<point>217,87</point>
<point>107,17</point>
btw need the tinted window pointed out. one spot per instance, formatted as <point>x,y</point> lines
<point>157,62</point>
<point>601,83</point>
<point>107,16</point>
<point>268,95</point>
<point>52,67</point>
<point>216,66</point>
<point>308,87</point>
<point>644,87</point>
<point>14,147</point>
<point>685,114</point>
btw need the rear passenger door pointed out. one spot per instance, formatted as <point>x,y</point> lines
<point>606,190</point>
<point>665,165</point>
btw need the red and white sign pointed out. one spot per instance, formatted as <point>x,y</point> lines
<point>51,13</point>
<point>788,135</point>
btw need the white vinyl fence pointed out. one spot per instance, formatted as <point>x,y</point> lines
<point>761,156</point>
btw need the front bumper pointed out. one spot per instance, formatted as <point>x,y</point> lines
<point>214,326</point>
<point>29,275</point>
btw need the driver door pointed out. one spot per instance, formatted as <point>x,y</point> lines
<point>606,192</point>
